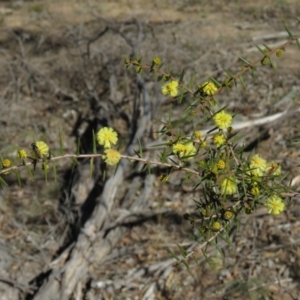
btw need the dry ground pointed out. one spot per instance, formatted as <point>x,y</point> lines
<point>61,72</point>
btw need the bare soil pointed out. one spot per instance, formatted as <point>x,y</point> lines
<point>62,72</point>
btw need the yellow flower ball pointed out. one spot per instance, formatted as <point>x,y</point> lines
<point>258,165</point>
<point>182,150</point>
<point>6,163</point>
<point>209,88</point>
<point>170,89</point>
<point>197,134</point>
<point>156,61</point>
<point>228,215</point>
<point>219,139</point>
<point>106,136</point>
<point>275,205</point>
<point>22,154</point>
<point>216,226</point>
<point>255,191</point>
<point>40,150</point>
<point>111,156</point>
<point>221,164</point>
<point>228,186</point>
<point>222,119</point>
<point>273,168</point>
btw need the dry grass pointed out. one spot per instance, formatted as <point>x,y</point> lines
<point>49,82</point>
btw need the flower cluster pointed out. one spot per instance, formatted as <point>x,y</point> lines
<point>22,154</point>
<point>259,167</point>
<point>40,150</point>
<point>170,88</point>
<point>107,137</point>
<point>209,88</point>
<point>222,120</point>
<point>228,186</point>
<point>184,150</point>
<point>6,163</point>
<point>275,205</point>
<point>219,139</point>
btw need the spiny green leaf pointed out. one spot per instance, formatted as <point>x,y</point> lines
<point>78,147</point>
<point>3,182</point>
<point>289,33</point>
<point>116,168</point>
<point>30,173</point>
<point>61,148</point>
<point>91,167</point>
<point>261,50</point>
<point>54,172</point>
<point>187,266</point>
<point>182,94</point>
<point>245,61</point>
<point>173,254</point>
<point>192,237</point>
<point>225,239</point>
<point>74,163</point>
<point>228,73</point>
<point>191,81</point>
<point>218,248</point>
<point>181,76</point>
<point>94,143</point>
<point>272,63</point>
<point>149,168</point>
<point>140,149</point>
<point>195,260</point>
<point>253,72</point>
<point>268,48</point>
<point>18,177</point>
<point>215,81</point>
<point>242,81</point>
<point>182,250</point>
<point>45,172</point>
<point>104,175</point>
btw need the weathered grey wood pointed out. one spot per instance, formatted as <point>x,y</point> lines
<point>91,246</point>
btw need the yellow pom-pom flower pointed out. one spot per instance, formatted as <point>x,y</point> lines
<point>197,134</point>
<point>209,88</point>
<point>138,69</point>
<point>216,226</point>
<point>280,52</point>
<point>219,139</point>
<point>6,163</point>
<point>221,164</point>
<point>228,186</point>
<point>275,205</point>
<point>170,89</point>
<point>22,154</point>
<point>111,156</point>
<point>156,61</point>
<point>179,149</point>
<point>255,191</point>
<point>273,168</point>
<point>222,119</point>
<point>258,165</point>
<point>107,136</point>
<point>203,144</point>
<point>182,150</point>
<point>228,215</point>
<point>40,150</point>
<point>190,149</point>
